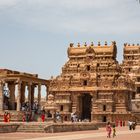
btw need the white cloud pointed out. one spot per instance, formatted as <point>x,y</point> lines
<point>7,3</point>
<point>98,16</point>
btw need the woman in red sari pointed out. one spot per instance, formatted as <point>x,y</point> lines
<point>108,129</point>
<point>8,117</point>
<point>24,117</point>
<point>5,117</point>
<point>117,123</point>
<point>43,117</point>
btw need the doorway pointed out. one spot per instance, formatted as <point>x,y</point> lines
<point>104,119</point>
<point>86,106</point>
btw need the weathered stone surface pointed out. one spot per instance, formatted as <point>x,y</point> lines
<point>68,127</point>
<point>92,85</point>
<point>7,128</point>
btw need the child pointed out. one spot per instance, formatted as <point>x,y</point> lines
<point>114,131</point>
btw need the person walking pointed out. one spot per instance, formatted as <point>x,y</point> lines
<point>124,123</point>
<point>24,117</point>
<point>108,129</point>
<point>120,123</point>
<point>133,125</point>
<point>114,130</point>
<point>43,117</point>
<point>8,117</point>
<point>5,117</point>
<point>117,122</point>
<point>130,125</point>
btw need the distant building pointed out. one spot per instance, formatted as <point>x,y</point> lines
<point>12,81</point>
<point>131,67</point>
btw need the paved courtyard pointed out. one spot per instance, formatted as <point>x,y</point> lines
<point>122,134</point>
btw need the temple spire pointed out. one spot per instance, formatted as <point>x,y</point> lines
<point>85,44</point>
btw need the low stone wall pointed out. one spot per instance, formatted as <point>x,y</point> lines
<point>7,128</point>
<point>45,127</point>
<point>70,127</point>
<point>15,116</point>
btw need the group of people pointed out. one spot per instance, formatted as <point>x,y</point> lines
<point>58,117</point>
<point>27,107</point>
<point>27,116</point>
<point>30,111</point>
<point>132,125</point>
<point>6,117</point>
<point>120,122</point>
<point>74,117</point>
<point>109,130</point>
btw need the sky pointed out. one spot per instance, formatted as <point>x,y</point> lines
<point>35,34</point>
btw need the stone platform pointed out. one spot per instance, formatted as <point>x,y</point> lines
<point>44,127</point>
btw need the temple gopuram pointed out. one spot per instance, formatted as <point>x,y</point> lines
<point>93,85</point>
<point>131,67</point>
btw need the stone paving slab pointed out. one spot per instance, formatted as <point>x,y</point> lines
<point>122,134</point>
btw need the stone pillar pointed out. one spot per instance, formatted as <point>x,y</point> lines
<point>94,117</point>
<point>19,96</point>
<point>11,87</point>
<point>74,103</point>
<point>23,93</point>
<point>79,105</point>
<point>32,95</point>
<point>39,94</point>
<point>29,94</point>
<point>1,95</point>
<point>47,92</point>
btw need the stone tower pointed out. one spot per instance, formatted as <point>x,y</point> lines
<point>131,67</point>
<point>92,85</point>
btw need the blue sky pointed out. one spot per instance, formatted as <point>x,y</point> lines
<point>35,34</point>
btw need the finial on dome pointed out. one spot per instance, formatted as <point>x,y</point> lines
<point>85,44</point>
<point>128,44</point>
<point>71,44</point>
<point>92,44</point>
<point>133,44</point>
<point>125,44</point>
<point>105,43</point>
<point>99,43</point>
<point>113,43</point>
<point>138,44</point>
<point>78,45</point>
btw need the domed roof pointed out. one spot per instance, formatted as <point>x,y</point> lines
<point>76,51</point>
<point>121,77</point>
<point>50,104</point>
<point>50,97</point>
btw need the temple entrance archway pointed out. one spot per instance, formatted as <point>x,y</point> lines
<point>85,106</point>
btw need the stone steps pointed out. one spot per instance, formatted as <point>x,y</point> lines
<point>31,128</point>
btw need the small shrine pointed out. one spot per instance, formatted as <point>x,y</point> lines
<point>50,108</point>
